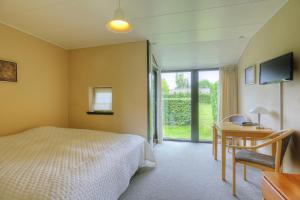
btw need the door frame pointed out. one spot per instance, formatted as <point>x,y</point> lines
<point>155,104</point>
<point>152,96</point>
<point>194,104</point>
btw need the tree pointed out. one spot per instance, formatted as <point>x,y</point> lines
<point>165,87</point>
<point>205,84</point>
<point>181,81</point>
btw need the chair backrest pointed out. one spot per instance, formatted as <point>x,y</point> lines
<point>285,144</point>
<point>236,118</point>
<point>284,137</point>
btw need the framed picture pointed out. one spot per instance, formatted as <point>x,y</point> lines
<point>250,75</point>
<point>8,71</point>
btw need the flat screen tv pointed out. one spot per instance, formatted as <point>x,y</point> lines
<point>277,70</point>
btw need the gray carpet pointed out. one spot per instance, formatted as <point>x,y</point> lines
<point>187,171</point>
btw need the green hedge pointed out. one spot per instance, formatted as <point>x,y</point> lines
<point>214,100</point>
<point>177,107</point>
<point>177,111</point>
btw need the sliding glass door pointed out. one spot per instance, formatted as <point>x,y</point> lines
<point>189,104</point>
<point>176,92</point>
<point>208,82</point>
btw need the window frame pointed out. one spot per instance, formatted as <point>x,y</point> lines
<point>92,95</point>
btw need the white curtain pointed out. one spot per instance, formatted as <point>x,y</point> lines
<point>159,110</point>
<point>228,91</point>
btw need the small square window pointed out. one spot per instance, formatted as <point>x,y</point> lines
<point>101,99</point>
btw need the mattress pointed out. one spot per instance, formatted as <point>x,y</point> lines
<point>58,163</point>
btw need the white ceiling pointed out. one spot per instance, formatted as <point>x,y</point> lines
<point>184,33</point>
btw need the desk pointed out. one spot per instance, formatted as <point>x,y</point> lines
<point>228,129</point>
<point>276,186</point>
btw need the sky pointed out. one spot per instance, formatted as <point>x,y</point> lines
<point>212,76</point>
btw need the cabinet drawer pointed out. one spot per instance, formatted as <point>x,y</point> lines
<point>269,192</point>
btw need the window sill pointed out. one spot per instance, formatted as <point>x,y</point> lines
<point>100,113</point>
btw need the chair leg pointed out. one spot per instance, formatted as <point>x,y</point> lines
<point>233,172</point>
<point>253,143</point>
<point>245,172</point>
<point>228,143</point>
<point>245,168</point>
<point>232,141</point>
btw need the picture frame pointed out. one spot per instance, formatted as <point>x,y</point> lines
<point>8,71</point>
<point>250,75</point>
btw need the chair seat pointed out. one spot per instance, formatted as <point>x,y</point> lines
<point>254,157</point>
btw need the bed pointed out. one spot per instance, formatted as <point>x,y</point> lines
<point>59,163</point>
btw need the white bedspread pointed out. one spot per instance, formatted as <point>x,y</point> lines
<point>57,163</point>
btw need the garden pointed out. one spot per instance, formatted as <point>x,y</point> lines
<point>177,110</point>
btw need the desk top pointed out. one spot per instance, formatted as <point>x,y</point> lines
<point>287,184</point>
<point>231,127</point>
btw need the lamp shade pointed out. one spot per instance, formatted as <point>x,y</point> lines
<point>119,23</point>
<point>259,110</point>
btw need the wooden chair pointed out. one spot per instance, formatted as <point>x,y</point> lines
<point>235,118</point>
<point>248,155</point>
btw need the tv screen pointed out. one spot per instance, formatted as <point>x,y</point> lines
<point>277,70</point>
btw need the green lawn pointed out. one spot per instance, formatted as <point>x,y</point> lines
<point>184,132</point>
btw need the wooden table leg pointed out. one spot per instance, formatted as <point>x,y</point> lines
<point>215,145</point>
<point>223,156</point>
<point>213,140</point>
<point>245,167</point>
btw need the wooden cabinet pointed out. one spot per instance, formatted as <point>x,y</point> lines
<point>276,186</point>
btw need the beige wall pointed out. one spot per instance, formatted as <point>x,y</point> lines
<point>40,95</point>
<point>279,36</point>
<point>124,68</point>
